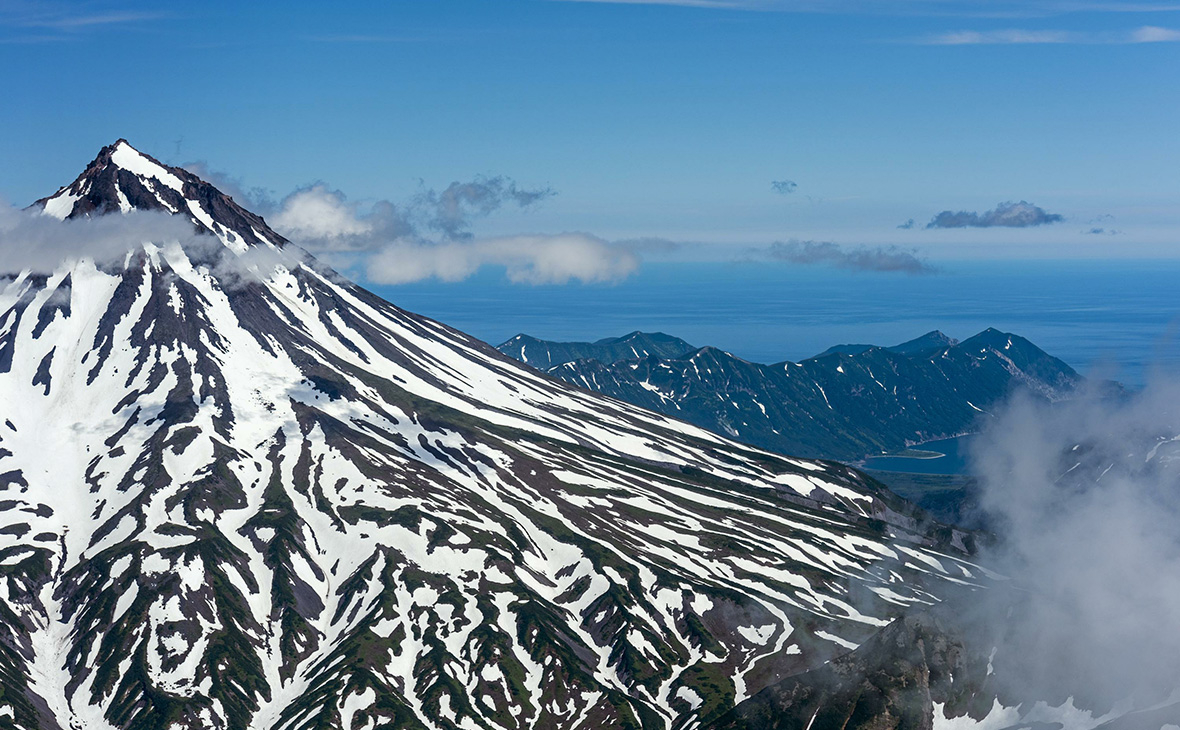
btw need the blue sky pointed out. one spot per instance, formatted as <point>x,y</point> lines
<point>646,120</point>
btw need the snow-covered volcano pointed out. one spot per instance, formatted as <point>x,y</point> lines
<point>273,500</point>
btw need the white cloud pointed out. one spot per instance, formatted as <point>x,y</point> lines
<point>858,258</point>
<point>30,240</point>
<point>325,221</point>
<point>1155,34</point>
<point>40,244</point>
<point>1020,36</point>
<point>321,218</point>
<point>1084,497</point>
<point>529,259</point>
<point>970,8</point>
<point>60,21</point>
<point>722,4</point>
<point>1000,37</point>
<point>429,238</point>
<point>85,20</point>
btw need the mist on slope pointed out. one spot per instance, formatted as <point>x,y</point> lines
<point>40,244</point>
<point>1085,497</point>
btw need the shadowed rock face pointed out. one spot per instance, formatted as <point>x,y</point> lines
<point>892,681</point>
<point>274,500</point>
<point>962,664</point>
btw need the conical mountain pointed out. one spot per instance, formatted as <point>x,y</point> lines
<point>243,492</point>
<point>122,179</point>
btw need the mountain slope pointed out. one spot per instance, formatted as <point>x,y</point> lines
<point>853,401</point>
<point>543,354</point>
<point>927,343</point>
<point>273,500</point>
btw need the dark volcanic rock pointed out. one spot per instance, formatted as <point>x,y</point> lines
<point>892,681</point>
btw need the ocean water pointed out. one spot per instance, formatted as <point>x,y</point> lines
<point>1116,319</point>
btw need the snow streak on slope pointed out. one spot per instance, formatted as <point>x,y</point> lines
<point>273,500</point>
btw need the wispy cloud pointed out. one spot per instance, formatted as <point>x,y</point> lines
<point>70,22</point>
<point>430,236</point>
<point>39,243</point>
<point>33,39</point>
<point>323,220</point>
<point>452,209</point>
<point>935,8</point>
<point>651,245</point>
<point>31,241</point>
<point>722,4</point>
<point>361,38</point>
<point>257,199</point>
<point>1100,226</point>
<point>1013,36</point>
<point>1004,215</point>
<point>47,22</point>
<point>1020,36</point>
<point>890,259</point>
<point>378,240</point>
<point>1155,34</point>
<point>528,259</point>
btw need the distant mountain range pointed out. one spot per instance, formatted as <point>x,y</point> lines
<point>845,403</point>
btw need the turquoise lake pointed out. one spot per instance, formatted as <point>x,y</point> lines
<point>954,459</point>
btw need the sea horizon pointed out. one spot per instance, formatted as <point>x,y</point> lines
<point>1109,319</point>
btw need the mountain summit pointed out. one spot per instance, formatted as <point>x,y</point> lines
<point>275,500</point>
<point>122,179</point>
